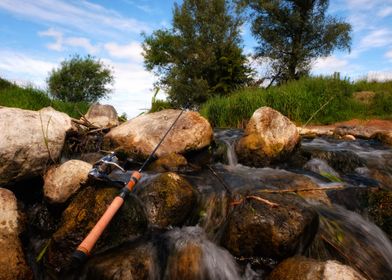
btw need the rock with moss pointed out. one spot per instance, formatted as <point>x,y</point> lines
<point>169,200</point>
<point>12,260</point>
<point>274,226</point>
<point>139,136</point>
<point>380,210</point>
<point>135,260</point>
<point>269,137</point>
<point>63,181</point>
<point>80,217</point>
<point>301,268</point>
<point>171,162</point>
<point>30,141</point>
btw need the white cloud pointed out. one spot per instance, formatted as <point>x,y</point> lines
<point>21,67</point>
<point>385,12</point>
<point>61,42</point>
<point>389,55</point>
<point>82,15</point>
<point>131,51</point>
<point>381,76</point>
<point>378,38</point>
<point>330,64</point>
<point>133,88</point>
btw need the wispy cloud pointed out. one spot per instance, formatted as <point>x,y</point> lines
<point>61,42</point>
<point>81,15</point>
<point>132,51</point>
<point>389,55</point>
<point>377,38</point>
<point>15,65</point>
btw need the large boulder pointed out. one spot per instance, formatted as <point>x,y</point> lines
<point>256,228</point>
<point>142,134</point>
<point>102,115</point>
<point>301,268</point>
<point>29,141</point>
<point>269,136</point>
<point>12,259</point>
<point>63,181</point>
<point>169,199</point>
<point>80,217</point>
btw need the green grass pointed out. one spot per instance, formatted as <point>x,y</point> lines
<point>30,98</point>
<point>330,98</point>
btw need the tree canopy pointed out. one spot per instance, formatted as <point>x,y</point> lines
<point>293,33</point>
<point>200,55</point>
<point>80,79</point>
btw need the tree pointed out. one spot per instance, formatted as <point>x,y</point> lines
<point>200,56</point>
<point>293,33</point>
<point>80,79</point>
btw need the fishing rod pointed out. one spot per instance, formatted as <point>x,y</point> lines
<point>83,251</point>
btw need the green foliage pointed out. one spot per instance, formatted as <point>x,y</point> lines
<point>80,79</point>
<point>200,56</point>
<point>34,99</point>
<point>299,100</point>
<point>292,33</point>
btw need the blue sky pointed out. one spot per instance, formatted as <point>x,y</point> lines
<point>36,35</point>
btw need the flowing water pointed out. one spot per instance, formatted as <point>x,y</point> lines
<point>194,251</point>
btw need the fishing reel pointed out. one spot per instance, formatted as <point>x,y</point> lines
<point>103,168</point>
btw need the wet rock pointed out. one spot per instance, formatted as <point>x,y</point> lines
<point>342,161</point>
<point>129,261</point>
<point>30,141</point>
<point>141,134</point>
<point>321,167</point>
<point>102,115</point>
<point>269,137</point>
<point>363,129</point>
<point>380,210</point>
<point>169,199</point>
<point>348,237</point>
<point>384,136</point>
<point>12,260</point>
<point>348,137</point>
<point>301,268</point>
<point>255,228</point>
<point>191,256</point>
<point>171,162</point>
<point>82,214</point>
<point>63,181</point>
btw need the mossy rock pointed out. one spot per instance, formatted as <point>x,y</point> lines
<point>82,214</point>
<point>169,200</point>
<point>380,210</point>
<point>256,229</point>
<point>171,162</point>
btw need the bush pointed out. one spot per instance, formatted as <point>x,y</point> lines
<point>80,79</point>
<point>322,100</point>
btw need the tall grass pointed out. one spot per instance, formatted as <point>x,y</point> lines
<point>329,97</point>
<point>30,98</point>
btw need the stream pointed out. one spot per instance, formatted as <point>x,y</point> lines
<point>346,230</point>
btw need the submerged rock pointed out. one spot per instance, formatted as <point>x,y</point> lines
<point>12,260</point>
<point>169,200</point>
<point>269,137</point>
<point>301,268</point>
<point>30,141</point>
<point>82,214</point>
<point>257,229</point>
<point>63,181</point>
<point>129,261</point>
<point>141,135</point>
<point>102,115</point>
